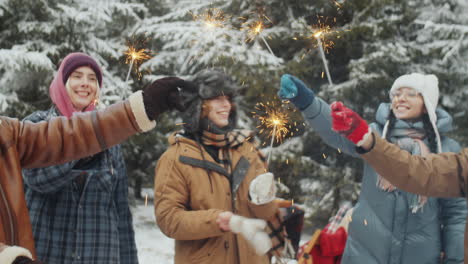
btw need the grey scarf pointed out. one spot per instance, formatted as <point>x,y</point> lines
<point>411,141</point>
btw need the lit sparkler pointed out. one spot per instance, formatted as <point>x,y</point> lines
<point>274,122</point>
<point>135,56</point>
<point>255,28</point>
<point>319,31</point>
<point>337,4</point>
<point>212,18</point>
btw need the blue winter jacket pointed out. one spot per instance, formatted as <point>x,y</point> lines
<point>79,210</point>
<point>383,229</point>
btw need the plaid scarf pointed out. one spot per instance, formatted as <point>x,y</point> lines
<point>226,141</point>
<point>411,141</point>
<point>336,220</point>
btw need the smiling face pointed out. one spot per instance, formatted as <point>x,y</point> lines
<point>407,103</point>
<point>219,109</point>
<point>82,87</point>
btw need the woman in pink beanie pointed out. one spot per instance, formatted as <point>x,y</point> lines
<point>76,86</point>
<point>79,210</point>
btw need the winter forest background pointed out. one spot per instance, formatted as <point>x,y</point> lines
<point>374,42</point>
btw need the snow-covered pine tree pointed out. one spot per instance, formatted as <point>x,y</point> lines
<point>37,34</point>
<point>383,40</point>
<point>440,46</point>
<point>201,34</point>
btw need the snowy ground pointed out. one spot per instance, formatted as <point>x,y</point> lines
<point>153,246</point>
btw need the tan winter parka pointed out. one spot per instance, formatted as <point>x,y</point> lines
<point>437,175</point>
<point>188,200</point>
<point>28,145</point>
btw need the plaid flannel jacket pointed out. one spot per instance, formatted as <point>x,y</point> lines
<point>79,210</point>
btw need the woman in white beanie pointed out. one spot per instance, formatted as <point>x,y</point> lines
<point>390,225</point>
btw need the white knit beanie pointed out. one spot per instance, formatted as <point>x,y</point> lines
<point>428,86</point>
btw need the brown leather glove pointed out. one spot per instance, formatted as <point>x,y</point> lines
<point>165,94</point>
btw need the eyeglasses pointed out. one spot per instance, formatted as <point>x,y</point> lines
<point>408,94</point>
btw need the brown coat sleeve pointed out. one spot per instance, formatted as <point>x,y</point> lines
<point>61,139</point>
<point>171,204</point>
<point>439,175</point>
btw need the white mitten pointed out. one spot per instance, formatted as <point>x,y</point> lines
<point>253,231</point>
<point>9,254</point>
<point>261,242</point>
<point>262,189</point>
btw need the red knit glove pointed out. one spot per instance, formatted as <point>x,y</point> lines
<point>346,122</point>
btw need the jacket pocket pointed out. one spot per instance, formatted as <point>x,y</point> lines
<point>210,249</point>
<point>105,180</point>
<point>95,180</point>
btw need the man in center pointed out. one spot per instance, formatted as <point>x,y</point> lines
<point>209,177</point>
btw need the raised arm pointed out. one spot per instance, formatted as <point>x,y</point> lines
<point>437,175</point>
<point>316,112</point>
<point>60,139</point>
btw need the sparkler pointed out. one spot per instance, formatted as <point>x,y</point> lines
<point>255,29</point>
<point>212,18</point>
<point>318,32</point>
<point>337,4</point>
<point>322,54</point>
<point>135,57</point>
<point>274,122</point>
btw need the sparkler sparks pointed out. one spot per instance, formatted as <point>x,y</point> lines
<point>337,4</point>
<point>321,29</point>
<point>274,122</point>
<point>135,57</point>
<point>212,18</point>
<point>254,29</point>
<point>319,32</point>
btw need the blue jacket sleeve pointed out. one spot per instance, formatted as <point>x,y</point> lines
<point>453,213</point>
<point>318,116</point>
<point>128,251</point>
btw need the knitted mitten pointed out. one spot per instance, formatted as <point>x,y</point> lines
<point>296,91</point>
<point>346,122</point>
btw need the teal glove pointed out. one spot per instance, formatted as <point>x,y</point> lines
<point>296,91</point>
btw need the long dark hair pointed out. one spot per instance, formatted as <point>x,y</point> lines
<point>430,133</point>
